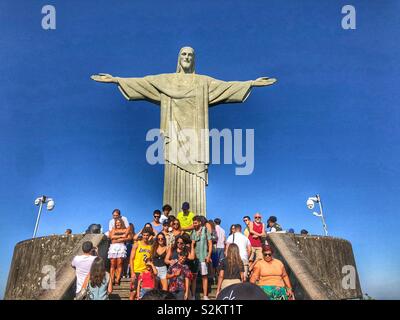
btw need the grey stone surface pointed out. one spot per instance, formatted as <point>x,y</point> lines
<point>30,256</point>
<point>315,265</point>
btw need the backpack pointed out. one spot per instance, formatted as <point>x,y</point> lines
<point>214,237</point>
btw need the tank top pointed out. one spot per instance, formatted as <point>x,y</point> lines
<point>256,243</point>
<point>158,260</point>
<point>143,251</point>
<point>147,280</point>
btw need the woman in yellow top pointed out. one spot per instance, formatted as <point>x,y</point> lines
<point>272,277</point>
<point>141,253</point>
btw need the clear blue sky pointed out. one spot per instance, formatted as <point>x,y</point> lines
<point>329,126</point>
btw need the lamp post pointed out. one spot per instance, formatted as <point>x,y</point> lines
<point>39,202</point>
<point>310,205</point>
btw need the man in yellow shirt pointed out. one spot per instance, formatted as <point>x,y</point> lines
<point>185,218</point>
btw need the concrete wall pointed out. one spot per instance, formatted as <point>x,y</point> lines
<point>25,277</point>
<point>315,265</point>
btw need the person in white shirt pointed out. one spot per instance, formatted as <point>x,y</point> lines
<point>83,263</point>
<point>166,209</point>
<point>116,214</point>
<point>244,246</point>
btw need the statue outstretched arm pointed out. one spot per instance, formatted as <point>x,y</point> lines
<point>263,81</point>
<point>234,91</point>
<point>133,88</point>
<point>104,77</point>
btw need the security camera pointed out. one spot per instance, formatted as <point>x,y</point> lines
<point>310,204</point>
<point>37,201</point>
<point>50,205</point>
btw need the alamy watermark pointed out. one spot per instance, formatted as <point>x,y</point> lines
<point>49,20</point>
<point>349,280</point>
<point>188,146</point>
<point>349,20</point>
<point>49,279</point>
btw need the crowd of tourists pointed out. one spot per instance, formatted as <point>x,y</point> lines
<point>171,255</point>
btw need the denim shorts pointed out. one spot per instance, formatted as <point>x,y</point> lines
<point>162,272</point>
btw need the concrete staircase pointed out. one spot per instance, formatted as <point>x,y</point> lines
<point>122,291</point>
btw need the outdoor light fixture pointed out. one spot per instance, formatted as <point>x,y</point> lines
<point>50,204</point>
<point>310,205</point>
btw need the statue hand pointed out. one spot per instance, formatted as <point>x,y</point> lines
<point>263,81</point>
<point>103,77</point>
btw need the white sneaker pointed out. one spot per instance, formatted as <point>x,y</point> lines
<point>206,298</point>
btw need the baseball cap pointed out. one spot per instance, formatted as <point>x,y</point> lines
<point>242,291</point>
<point>185,206</point>
<point>272,219</point>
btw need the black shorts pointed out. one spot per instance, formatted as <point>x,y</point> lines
<point>194,265</point>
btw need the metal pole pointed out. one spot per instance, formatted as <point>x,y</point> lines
<point>322,215</point>
<point>37,220</point>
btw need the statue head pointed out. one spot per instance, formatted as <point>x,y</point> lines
<point>185,60</point>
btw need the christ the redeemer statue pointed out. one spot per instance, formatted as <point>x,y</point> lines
<point>184,98</point>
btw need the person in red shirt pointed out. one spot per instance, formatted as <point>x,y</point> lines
<point>256,234</point>
<point>147,280</point>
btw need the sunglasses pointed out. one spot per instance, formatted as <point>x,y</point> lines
<point>257,217</point>
<point>156,216</point>
<point>162,239</point>
<point>180,242</point>
<point>267,254</point>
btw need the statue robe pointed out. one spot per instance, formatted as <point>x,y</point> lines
<point>184,100</point>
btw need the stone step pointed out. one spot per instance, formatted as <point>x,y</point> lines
<point>119,296</point>
<point>122,292</point>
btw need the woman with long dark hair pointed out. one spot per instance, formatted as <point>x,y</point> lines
<point>232,229</point>
<point>99,284</point>
<point>231,268</point>
<point>158,254</point>
<point>176,228</point>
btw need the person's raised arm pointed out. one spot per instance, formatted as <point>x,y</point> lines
<point>154,268</point>
<point>192,254</point>
<point>190,228</point>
